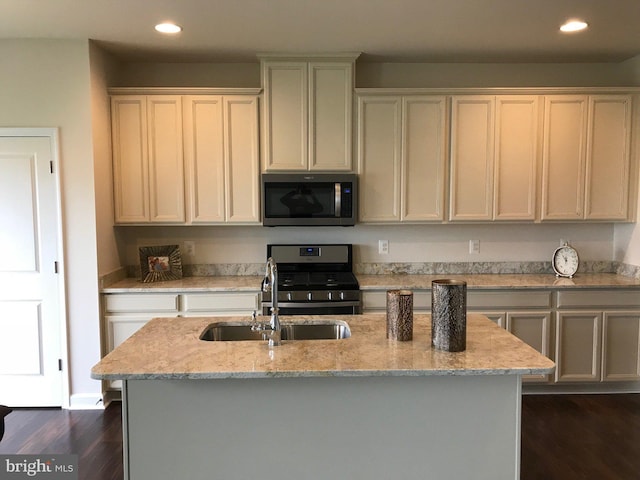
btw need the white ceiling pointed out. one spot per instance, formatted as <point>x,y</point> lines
<point>383,30</point>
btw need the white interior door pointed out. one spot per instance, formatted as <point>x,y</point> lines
<point>30,287</point>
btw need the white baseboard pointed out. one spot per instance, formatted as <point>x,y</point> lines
<point>86,401</point>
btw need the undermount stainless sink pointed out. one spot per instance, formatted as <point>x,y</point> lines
<point>325,330</point>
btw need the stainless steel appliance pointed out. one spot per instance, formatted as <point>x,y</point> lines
<point>314,280</point>
<point>309,199</point>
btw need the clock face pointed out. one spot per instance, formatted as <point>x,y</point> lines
<point>565,261</point>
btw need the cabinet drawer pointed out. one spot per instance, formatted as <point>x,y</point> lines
<point>145,302</point>
<point>599,298</point>
<point>508,299</point>
<point>228,302</point>
<point>378,300</point>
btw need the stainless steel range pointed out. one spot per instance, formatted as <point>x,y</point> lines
<point>314,280</point>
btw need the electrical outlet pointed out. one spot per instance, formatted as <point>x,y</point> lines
<point>383,247</point>
<point>190,248</point>
<point>474,246</point>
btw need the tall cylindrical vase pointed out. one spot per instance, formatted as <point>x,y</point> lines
<point>400,315</point>
<point>449,315</point>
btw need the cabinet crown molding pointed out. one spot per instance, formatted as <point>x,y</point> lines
<point>497,90</point>
<point>183,91</point>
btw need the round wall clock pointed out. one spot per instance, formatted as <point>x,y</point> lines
<point>565,261</point>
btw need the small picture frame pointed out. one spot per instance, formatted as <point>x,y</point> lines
<point>160,263</point>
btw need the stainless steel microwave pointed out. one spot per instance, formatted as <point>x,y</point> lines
<point>309,199</point>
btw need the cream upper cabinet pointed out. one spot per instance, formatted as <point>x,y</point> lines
<point>401,158</point>
<point>221,153</point>
<point>586,157</point>
<point>308,114</point>
<point>494,157</point>
<point>148,159</point>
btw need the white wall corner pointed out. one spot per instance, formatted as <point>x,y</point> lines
<point>86,401</point>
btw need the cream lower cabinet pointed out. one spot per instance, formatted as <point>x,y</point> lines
<point>494,157</point>
<point>526,314</point>
<point>401,158</point>
<point>586,157</point>
<point>599,342</point>
<point>222,159</point>
<point>126,313</point>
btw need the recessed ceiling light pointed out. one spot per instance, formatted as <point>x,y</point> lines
<point>573,26</point>
<point>168,28</point>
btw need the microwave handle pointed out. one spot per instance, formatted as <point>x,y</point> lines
<point>338,199</point>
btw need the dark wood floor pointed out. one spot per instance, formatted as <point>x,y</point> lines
<point>564,437</point>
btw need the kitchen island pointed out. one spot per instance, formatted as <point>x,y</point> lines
<point>362,407</point>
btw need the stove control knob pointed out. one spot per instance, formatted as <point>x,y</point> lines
<point>341,295</point>
<point>330,295</point>
<point>309,296</point>
<point>289,296</point>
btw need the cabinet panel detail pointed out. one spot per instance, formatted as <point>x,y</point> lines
<point>506,299</point>
<point>472,151</point>
<point>219,301</point>
<point>578,337</point>
<point>379,159</point>
<point>599,298</point>
<point>533,328</point>
<point>621,346</point>
<point>166,302</point>
<point>607,175</point>
<point>564,157</point>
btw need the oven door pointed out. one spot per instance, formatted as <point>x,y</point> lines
<point>313,308</point>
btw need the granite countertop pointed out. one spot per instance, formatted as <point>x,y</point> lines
<point>170,348</point>
<point>380,282</point>
<point>229,283</point>
<point>489,281</point>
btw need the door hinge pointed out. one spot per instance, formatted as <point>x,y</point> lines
<point>55,267</point>
<point>51,166</point>
<point>60,364</point>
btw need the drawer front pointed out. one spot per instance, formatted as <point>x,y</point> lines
<point>599,298</point>
<point>508,299</point>
<point>228,302</point>
<point>378,300</point>
<point>144,302</point>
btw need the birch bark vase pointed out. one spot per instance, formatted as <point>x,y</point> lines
<point>449,315</point>
<point>400,315</point>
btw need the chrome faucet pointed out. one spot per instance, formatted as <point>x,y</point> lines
<point>273,331</point>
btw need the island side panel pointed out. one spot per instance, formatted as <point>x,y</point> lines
<point>445,427</point>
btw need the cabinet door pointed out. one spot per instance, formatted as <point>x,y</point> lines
<point>534,329</point>
<point>563,157</point>
<point>166,161</point>
<point>204,158</point>
<point>423,158</point>
<point>285,115</point>
<point>516,158</point>
<point>578,346</point>
<point>621,346</point>
<point>241,159</point>
<point>607,175</point>
<point>379,158</point>
<point>130,158</point>
<point>330,115</point>
<point>472,151</point>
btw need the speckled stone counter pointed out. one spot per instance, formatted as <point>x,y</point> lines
<point>188,284</point>
<point>500,281</point>
<point>385,281</point>
<point>169,348</point>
